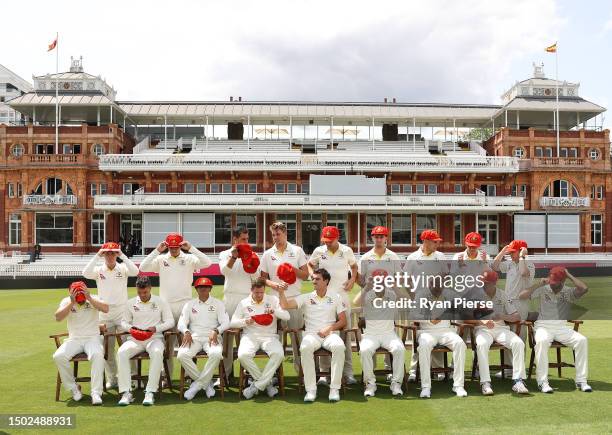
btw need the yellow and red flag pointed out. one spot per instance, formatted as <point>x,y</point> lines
<point>52,45</point>
<point>552,48</point>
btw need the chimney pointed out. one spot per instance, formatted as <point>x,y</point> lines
<point>394,100</point>
<point>239,98</point>
<point>231,98</point>
<point>385,99</point>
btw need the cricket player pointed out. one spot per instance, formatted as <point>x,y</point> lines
<point>237,284</point>
<point>473,261</point>
<point>111,280</point>
<point>284,252</point>
<point>144,313</point>
<point>338,260</point>
<point>175,268</point>
<point>257,315</point>
<point>428,251</point>
<point>555,305</point>
<point>81,311</point>
<point>380,332</point>
<point>520,272</point>
<point>435,329</point>
<point>202,322</point>
<point>324,317</point>
<point>491,327</point>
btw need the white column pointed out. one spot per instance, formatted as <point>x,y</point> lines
<point>476,223</point>
<point>174,131</point>
<point>98,115</point>
<point>506,118</point>
<point>111,114</point>
<point>165,131</point>
<point>290,131</point>
<point>358,232</point>
<point>248,133</point>
<point>264,232</point>
<point>373,135</point>
<point>456,135</point>
<point>518,121</point>
<point>206,132</point>
<point>34,115</point>
<point>413,133</point>
<point>331,130</point>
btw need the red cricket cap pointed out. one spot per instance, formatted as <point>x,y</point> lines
<point>516,245</point>
<point>203,282</point>
<point>263,319</point>
<point>380,231</point>
<point>286,272</point>
<point>140,335</point>
<point>557,274</point>
<point>110,247</point>
<point>77,288</point>
<point>174,240</point>
<point>251,265</point>
<point>473,240</point>
<point>244,251</point>
<point>431,235</point>
<point>490,276</point>
<point>329,234</point>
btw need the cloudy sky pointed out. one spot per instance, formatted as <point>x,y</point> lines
<point>465,51</point>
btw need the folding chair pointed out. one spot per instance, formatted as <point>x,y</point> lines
<point>75,361</point>
<point>438,349</point>
<point>139,377</point>
<point>555,344</point>
<point>503,366</point>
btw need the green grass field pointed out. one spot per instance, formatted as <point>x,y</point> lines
<point>27,379</point>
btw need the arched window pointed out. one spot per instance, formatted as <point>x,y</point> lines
<point>561,189</point>
<point>17,150</point>
<point>53,186</point>
<point>594,154</point>
<point>97,149</point>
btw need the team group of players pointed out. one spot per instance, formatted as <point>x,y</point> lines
<point>318,316</point>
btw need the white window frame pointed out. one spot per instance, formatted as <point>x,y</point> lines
<point>93,189</point>
<point>596,229</point>
<point>340,221</point>
<point>14,226</point>
<point>95,149</point>
<point>96,219</point>
<point>594,154</point>
<point>401,229</point>
<point>162,187</point>
<point>17,150</point>
<point>519,152</point>
<point>11,190</point>
<point>292,188</point>
<point>395,189</point>
<point>377,223</point>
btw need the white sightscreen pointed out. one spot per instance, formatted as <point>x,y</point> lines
<point>563,231</point>
<point>351,185</point>
<point>155,227</point>
<point>199,229</point>
<point>531,228</point>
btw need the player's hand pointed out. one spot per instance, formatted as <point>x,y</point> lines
<point>72,298</point>
<point>269,311</point>
<point>249,321</point>
<point>325,332</point>
<point>103,328</point>
<point>490,324</point>
<point>435,321</point>
<point>234,253</point>
<point>281,286</point>
<point>523,251</point>
<point>483,255</point>
<point>100,253</point>
<point>87,295</point>
<point>505,249</point>
<point>544,281</point>
<point>152,329</point>
<point>213,337</point>
<point>162,247</point>
<point>187,339</point>
<point>185,245</point>
<point>348,285</point>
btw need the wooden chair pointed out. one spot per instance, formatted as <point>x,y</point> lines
<point>438,349</point>
<point>75,362</point>
<point>503,366</point>
<point>139,377</point>
<point>555,344</point>
<point>234,335</point>
<point>200,355</point>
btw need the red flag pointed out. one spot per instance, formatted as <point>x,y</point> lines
<point>52,45</point>
<point>552,48</point>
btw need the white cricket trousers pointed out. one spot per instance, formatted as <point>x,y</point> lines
<point>391,342</point>
<point>177,308</point>
<point>312,342</point>
<point>231,301</point>
<point>112,320</point>
<point>544,336</point>
<point>348,350</point>
<point>95,354</point>
<point>215,354</point>
<point>504,336</point>
<point>428,339</point>
<point>249,345</point>
<point>155,348</point>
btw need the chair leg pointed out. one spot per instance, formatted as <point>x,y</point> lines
<point>241,380</point>
<point>182,382</point>
<point>139,366</point>
<point>58,385</point>
<point>168,375</point>
<point>281,379</point>
<point>445,366</point>
<point>559,361</point>
<point>474,365</point>
<point>531,363</point>
<point>502,363</point>
<point>222,379</point>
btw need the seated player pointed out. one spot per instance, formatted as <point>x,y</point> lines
<point>555,304</point>
<point>81,311</point>
<point>147,316</point>
<point>202,322</point>
<point>257,315</point>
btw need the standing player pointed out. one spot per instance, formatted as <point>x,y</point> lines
<point>111,280</point>
<point>324,317</point>
<point>81,310</point>
<point>202,322</point>
<point>257,315</point>
<point>147,317</point>
<point>555,306</point>
<point>284,252</point>
<point>175,268</point>
<point>338,260</point>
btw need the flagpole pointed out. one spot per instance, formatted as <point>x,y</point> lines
<point>557,94</point>
<point>57,94</point>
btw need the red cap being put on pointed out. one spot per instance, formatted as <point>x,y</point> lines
<point>110,247</point>
<point>286,272</point>
<point>174,240</point>
<point>556,275</point>
<point>140,335</point>
<point>203,282</point>
<point>77,288</point>
<point>379,231</point>
<point>251,264</point>
<point>473,240</point>
<point>431,235</point>
<point>516,245</point>
<point>490,276</point>
<point>244,251</point>
<point>329,234</point>
<point>263,319</point>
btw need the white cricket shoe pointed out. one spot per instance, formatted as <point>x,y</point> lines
<point>149,400</point>
<point>322,381</point>
<point>584,387</point>
<point>310,396</point>
<point>425,393</point>
<point>76,393</point>
<point>96,399</point>
<point>350,380</point>
<point>192,391</point>
<point>370,390</point>
<point>545,388</point>
<point>111,384</point>
<point>396,389</point>
<point>126,399</point>
<point>412,378</point>
<point>334,395</point>
<point>486,389</point>
<point>271,390</point>
<point>519,387</point>
<point>250,391</point>
<point>390,377</point>
<point>507,374</point>
<point>460,391</point>
<point>210,390</point>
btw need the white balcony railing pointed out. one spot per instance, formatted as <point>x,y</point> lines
<point>330,161</point>
<point>281,202</point>
<point>564,202</point>
<point>49,200</point>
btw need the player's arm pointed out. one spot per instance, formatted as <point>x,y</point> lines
<point>523,268</point>
<point>226,262</point>
<point>127,319</point>
<point>90,271</point>
<point>286,304</point>
<point>150,263</point>
<point>96,303</point>
<point>280,312</point>
<point>202,261</point>
<point>222,318</point>
<point>348,285</point>
<point>581,287</point>
<point>166,317</point>
<point>132,269</point>
<point>239,320</point>
<point>313,263</point>
<point>338,326</point>
<point>499,258</point>
<point>64,309</point>
<point>526,293</point>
